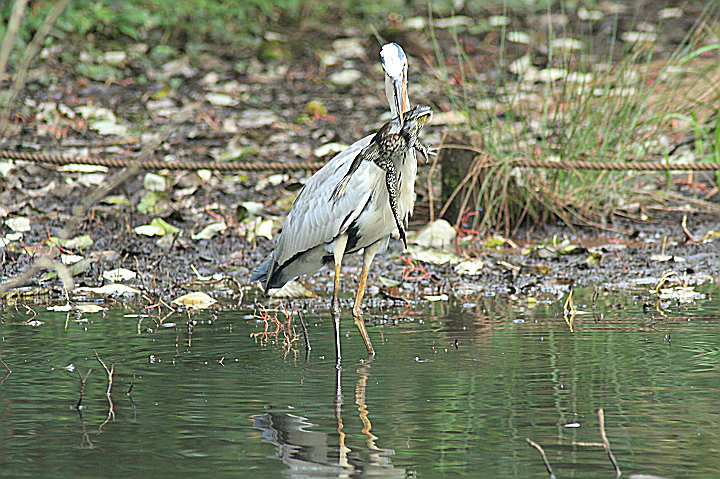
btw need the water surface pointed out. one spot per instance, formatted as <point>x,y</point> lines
<point>453,392</point>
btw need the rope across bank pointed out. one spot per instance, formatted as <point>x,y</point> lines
<point>152,164</point>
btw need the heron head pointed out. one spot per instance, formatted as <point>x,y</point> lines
<point>395,64</point>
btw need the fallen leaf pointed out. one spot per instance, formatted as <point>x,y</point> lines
<point>210,230</point>
<point>68,259</point>
<point>594,258</point>
<point>264,229</point>
<point>454,22</point>
<point>437,297</point>
<point>149,230</point>
<point>329,148</point>
<point>518,37</point>
<point>150,203</point>
<point>499,20</point>
<point>638,37</point>
<point>196,300</point>
<point>567,44</point>
<point>349,47</point>
<point>60,308</point>
<point>470,267</point>
<point>81,168</point>
<point>79,242</point>
<point>291,289</point>
<point>661,258</point>
<point>452,117</point>
<point>116,200</point>
<point>315,108</point>
<point>388,283</point>
<point>252,118</point>
<point>110,289</point>
<point>710,236</point>
<point>114,57</point>
<point>107,127</point>
<point>249,209</point>
<point>119,274</point>
<point>5,167</point>
<point>272,180</point>
<point>220,99</point>
<point>18,224</point>
<point>91,179</point>
<point>437,234</point>
<point>345,77</point>
<point>153,182</point>
<point>89,308</point>
<point>431,255</point>
<point>166,227</point>
<point>683,294</point>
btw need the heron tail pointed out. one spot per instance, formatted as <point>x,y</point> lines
<point>262,271</point>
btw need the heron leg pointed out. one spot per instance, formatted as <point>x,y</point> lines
<point>368,256</point>
<point>338,252</point>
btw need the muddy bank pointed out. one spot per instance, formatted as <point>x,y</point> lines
<point>204,231</point>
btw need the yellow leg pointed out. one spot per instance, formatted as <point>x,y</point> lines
<point>368,257</point>
<point>338,253</point>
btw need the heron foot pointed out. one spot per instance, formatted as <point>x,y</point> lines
<point>360,324</point>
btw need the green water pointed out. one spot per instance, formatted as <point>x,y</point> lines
<point>453,392</point>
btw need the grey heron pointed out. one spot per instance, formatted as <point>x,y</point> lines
<point>319,231</point>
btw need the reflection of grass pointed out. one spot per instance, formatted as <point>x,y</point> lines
<point>706,355</point>
<point>621,105</point>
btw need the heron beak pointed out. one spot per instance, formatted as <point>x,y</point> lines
<point>400,94</point>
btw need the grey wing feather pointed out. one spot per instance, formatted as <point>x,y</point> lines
<point>314,219</point>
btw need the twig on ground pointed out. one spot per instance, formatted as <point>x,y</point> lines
<point>687,232</point>
<point>606,443</point>
<point>539,449</point>
<point>41,263</point>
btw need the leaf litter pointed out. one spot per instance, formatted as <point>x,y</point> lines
<point>227,114</point>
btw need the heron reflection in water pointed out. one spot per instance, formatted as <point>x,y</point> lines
<point>311,453</point>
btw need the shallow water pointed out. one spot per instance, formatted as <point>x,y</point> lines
<point>453,392</point>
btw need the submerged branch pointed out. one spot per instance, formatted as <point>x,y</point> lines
<point>539,449</point>
<point>606,443</point>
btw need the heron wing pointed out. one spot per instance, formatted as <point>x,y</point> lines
<point>314,218</point>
